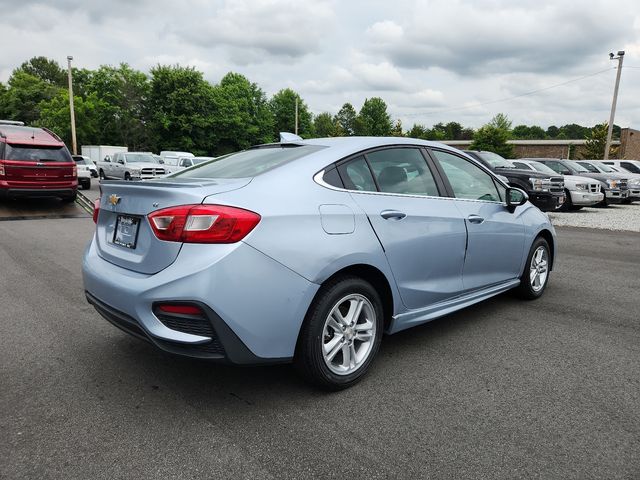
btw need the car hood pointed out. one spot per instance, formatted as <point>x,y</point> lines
<point>141,165</point>
<point>522,173</point>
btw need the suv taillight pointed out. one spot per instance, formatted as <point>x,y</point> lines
<point>1,169</point>
<point>75,170</point>
<point>203,223</point>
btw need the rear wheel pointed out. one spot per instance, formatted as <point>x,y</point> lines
<point>101,174</point>
<point>341,334</point>
<point>536,273</point>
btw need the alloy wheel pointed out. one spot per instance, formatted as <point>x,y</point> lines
<point>539,268</point>
<point>348,334</point>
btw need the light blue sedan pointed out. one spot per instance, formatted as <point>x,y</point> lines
<point>310,250</point>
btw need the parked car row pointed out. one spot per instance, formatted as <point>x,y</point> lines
<point>555,184</point>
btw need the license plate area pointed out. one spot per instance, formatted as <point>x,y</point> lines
<point>126,232</point>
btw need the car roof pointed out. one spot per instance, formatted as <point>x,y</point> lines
<point>29,136</point>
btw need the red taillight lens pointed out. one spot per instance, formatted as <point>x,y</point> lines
<point>180,309</point>
<point>203,223</point>
<point>96,210</point>
<point>75,171</point>
<point>1,169</point>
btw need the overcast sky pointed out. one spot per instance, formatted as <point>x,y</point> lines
<point>430,60</point>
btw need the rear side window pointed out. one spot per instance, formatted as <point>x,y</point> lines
<point>402,170</point>
<point>30,153</point>
<point>467,180</point>
<point>249,163</point>
<point>357,176</point>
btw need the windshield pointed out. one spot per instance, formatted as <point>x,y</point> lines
<point>541,167</point>
<point>30,153</point>
<point>139,158</point>
<point>248,163</point>
<point>576,166</point>
<point>495,160</point>
<point>198,160</point>
<point>603,168</point>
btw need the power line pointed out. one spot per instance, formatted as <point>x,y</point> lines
<point>532,92</point>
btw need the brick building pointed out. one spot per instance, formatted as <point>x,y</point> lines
<point>628,147</point>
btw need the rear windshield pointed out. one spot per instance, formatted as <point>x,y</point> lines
<point>30,153</point>
<point>248,163</point>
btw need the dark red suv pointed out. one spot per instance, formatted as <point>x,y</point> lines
<point>34,162</point>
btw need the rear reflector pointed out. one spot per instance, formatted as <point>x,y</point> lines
<point>180,309</point>
<point>96,210</point>
<point>203,223</point>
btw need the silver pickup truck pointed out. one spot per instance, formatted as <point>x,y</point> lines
<point>130,166</point>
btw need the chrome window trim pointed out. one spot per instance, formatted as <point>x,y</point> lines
<point>320,181</point>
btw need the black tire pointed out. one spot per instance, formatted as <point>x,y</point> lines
<point>568,203</point>
<point>604,202</point>
<point>127,176</point>
<point>526,290</point>
<point>69,199</point>
<point>576,208</point>
<point>101,175</point>
<point>309,359</point>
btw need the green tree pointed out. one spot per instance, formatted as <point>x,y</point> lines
<point>181,108</point>
<point>493,136</point>
<point>528,133</point>
<point>283,108</point>
<point>596,142</point>
<point>553,131</point>
<point>243,118</point>
<point>122,93</point>
<point>396,131</point>
<point>324,125</point>
<point>417,131</point>
<point>54,114</point>
<point>373,119</point>
<point>22,98</point>
<point>346,119</point>
<point>47,70</point>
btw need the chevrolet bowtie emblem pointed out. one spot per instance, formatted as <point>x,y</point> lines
<point>114,199</point>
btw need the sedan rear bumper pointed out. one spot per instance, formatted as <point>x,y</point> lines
<point>251,320</point>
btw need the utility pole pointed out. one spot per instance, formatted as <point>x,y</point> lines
<point>296,132</point>
<point>620,58</point>
<point>73,116</point>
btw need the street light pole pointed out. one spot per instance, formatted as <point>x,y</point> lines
<point>73,116</point>
<point>296,132</point>
<point>620,58</point>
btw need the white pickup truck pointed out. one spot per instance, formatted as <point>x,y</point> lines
<point>130,166</point>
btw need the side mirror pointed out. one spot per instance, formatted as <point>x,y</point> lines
<point>121,162</point>
<point>161,161</point>
<point>515,198</point>
<point>107,158</point>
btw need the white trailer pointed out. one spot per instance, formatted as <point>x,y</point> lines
<point>98,152</point>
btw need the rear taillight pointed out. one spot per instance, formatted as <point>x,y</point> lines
<point>75,171</point>
<point>203,223</point>
<point>96,210</point>
<point>1,169</point>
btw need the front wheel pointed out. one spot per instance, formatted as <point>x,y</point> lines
<point>102,175</point>
<point>536,272</point>
<point>568,203</point>
<point>341,333</point>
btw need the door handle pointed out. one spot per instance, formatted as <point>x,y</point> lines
<point>395,214</point>
<point>475,219</point>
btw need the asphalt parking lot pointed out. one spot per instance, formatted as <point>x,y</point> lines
<point>505,389</point>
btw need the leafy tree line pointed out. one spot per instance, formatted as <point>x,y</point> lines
<point>175,108</point>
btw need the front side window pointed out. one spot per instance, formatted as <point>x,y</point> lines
<point>467,180</point>
<point>402,170</point>
<point>630,166</point>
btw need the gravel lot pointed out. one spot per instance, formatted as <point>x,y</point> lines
<point>615,217</point>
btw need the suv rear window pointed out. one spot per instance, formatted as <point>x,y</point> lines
<point>249,163</point>
<point>31,153</point>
